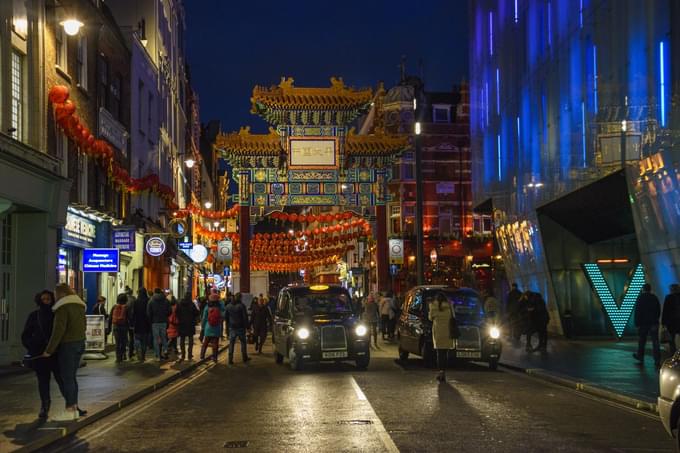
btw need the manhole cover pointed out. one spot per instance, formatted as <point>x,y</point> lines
<point>236,444</point>
<point>355,422</point>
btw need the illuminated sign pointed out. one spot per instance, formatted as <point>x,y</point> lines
<point>224,251</point>
<point>155,246</point>
<point>396,247</point>
<point>198,254</point>
<point>618,314</point>
<point>100,260</point>
<point>79,231</point>
<point>123,239</point>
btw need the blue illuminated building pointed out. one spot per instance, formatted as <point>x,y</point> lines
<point>575,142</point>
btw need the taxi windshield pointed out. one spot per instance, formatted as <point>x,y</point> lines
<point>322,304</point>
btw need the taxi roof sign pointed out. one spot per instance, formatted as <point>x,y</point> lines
<point>318,287</point>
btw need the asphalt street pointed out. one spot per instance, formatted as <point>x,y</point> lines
<point>390,407</point>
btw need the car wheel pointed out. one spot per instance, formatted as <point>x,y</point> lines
<point>278,357</point>
<point>493,364</point>
<point>294,360</point>
<point>403,355</point>
<point>427,353</point>
<point>362,362</point>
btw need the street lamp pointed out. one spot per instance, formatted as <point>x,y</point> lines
<point>71,26</point>
<point>189,162</point>
<point>207,205</point>
<point>433,256</point>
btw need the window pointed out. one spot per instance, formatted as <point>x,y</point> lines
<point>416,306</point>
<point>102,81</point>
<point>440,114</point>
<point>396,174</point>
<point>61,47</point>
<point>114,99</point>
<point>140,107</point>
<point>62,153</point>
<point>17,95</point>
<point>445,226</point>
<point>395,219</point>
<point>81,62</point>
<point>408,170</point>
<point>20,19</point>
<point>149,109</point>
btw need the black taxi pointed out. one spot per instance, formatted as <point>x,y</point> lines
<point>319,323</point>
<point>479,331</point>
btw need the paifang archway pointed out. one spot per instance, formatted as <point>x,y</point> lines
<point>312,157</point>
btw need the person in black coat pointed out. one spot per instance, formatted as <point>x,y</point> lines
<point>647,312</point>
<point>141,326</point>
<point>36,335</point>
<point>670,317</point>
<point>187,317</point>
<point>538,319</point>
<point>261,320</point>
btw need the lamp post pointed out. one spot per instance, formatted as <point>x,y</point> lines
<point>420,239</point>
<point>624,128</point>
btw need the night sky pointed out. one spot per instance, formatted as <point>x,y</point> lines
<point>233,45</point>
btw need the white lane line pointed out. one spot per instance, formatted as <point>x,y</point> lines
<point>382,433</point>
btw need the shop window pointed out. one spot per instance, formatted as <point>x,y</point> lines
<point>61,43</point>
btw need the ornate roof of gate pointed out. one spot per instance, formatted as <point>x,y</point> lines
<point>285,96</point>
<point>243,143</point>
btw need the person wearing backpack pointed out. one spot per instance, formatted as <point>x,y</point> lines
<point>118,324</point>
<point>211,325</point>
<point>237,321</point>
<point>187,318</point>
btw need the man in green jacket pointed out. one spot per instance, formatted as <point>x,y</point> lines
<point>68,341</point>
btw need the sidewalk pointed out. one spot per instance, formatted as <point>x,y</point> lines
<point>605,364</point>
<point>103,386</point>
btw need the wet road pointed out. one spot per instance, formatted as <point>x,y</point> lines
<point>391,407</point>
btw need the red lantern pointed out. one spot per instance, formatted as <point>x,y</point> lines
<point>347,215</point>
<point>63,111</point>
<point>293,217</point>
<point>311,218</point>
<point>317,231</point>
<point>302,219</point>
<point>338,216</point>
<point>58,94</point>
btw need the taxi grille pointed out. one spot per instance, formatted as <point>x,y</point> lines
<point>333,338</point>
<point>469,338</point>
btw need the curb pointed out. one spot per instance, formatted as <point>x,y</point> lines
<point>586,387</point>
<point>67,430</point>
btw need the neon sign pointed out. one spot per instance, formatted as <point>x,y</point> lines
<point>618,314</point>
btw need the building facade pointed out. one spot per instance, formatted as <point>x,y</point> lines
<point>574,144</point>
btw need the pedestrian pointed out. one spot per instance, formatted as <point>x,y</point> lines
<point>172,327</point>
<point>522,321</point>
<point>141,326</point>
<point>158,311</point>
<point>440,313</point>
<point>385,310</point>
<point>119,325</point>
<point>260,322</point>
<point>211,325</point>
<point>187,317</point>
<point>512,312</point>
<point>131,332</point>
<point>99,309</point>
<point>647,312</point>
<point>394,310</point>
<point>237,320</point>
<point>371,316</point>
<point>36,334</point>
<point>490,304</point>
<point>68,342</point>
<point>538,319</point>
<point>670,317</point>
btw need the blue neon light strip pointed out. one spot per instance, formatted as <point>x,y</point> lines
<point>583,133</point>
<point>517,12</point>
<point>580,14</point>
<point>549,24</point>
<point>498,152</point>
<point>519,137</point>
<point>491,33</point>
<point>618,315</point>
<point>498,91</point>
<point>662,79</point>
<point>595,78</point>
<point>486,100</point>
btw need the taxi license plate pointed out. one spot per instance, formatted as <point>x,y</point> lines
<point>334,355</point>
<point>468,354</point>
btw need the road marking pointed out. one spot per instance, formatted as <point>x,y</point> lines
<point>384,437</point>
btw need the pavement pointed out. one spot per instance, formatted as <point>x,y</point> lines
<point>392,406</point>
<point>104,387</point>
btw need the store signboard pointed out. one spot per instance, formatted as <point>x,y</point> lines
<point>95,325</point>
<point>123,239</point>
<point>79,231</point>
<point>224,251</point>
<point>100,260</point>
<point>396,247</point>
<point>185,246</point>
<point>155,246</point>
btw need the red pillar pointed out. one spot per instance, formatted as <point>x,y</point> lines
<point>244,246</point>
<point>382,261</point>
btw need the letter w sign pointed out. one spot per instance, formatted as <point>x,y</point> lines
<point>618,314</point>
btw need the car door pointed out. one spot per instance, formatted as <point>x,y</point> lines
<point>403,325</point>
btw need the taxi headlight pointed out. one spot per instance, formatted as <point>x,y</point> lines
<point>494,332</point>
<point>361,330</point>
<point>302,333</point>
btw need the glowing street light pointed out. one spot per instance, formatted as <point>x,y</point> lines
<point>207,205</point>
<point>189,163</point>
<point>71,26</point>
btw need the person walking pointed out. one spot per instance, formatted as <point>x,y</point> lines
<point>187,317</point>
<point>537,322</point>
<point>211,325</point>
<point>670,317</point>
<point>158,311</point>
<point>237,321</point>
<point>490,304</point>
<point>37,332</point>
<point>647,312</point>
<point>260,322</point>
<point>385,310</point>
<point>172,328</point>
<point>139,320</point>
<point>512,312</point>
<point>99,309</point>
<point>131,332</point>
<point>119,325</point>
<point>371,316</point>
<point>440,313</point>
<point>68,341</point>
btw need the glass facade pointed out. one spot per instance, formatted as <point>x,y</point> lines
<point>563,92</point>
